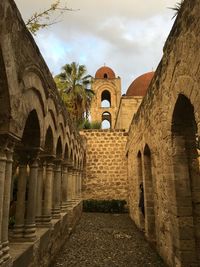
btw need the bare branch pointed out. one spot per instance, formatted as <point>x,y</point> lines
<point>43,19</point>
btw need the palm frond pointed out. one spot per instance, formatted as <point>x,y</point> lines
<point>176,8</point>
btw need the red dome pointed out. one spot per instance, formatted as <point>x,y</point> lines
<point>105,73</point>
<point>140,85</point>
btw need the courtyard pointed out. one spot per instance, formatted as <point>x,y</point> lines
<point>102,240</point>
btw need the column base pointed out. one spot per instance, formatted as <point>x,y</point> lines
<point>7,263</point>
<point>64,207</point>
<point>56,213</point>
<point>70,204</point>
<point>38,220</point>
<point>46,221</point>
<point>1,255</point>
<point>5,250</point>
<point>75,201</point>
<point>30,232</point>
<point>18,231</point>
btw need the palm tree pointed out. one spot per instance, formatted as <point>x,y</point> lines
<point>75,89</point>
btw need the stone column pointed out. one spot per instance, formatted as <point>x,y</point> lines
<point>70,186</point>
<point>20,206</point>
<point>6,204</point>
<point>48,187</point>
<point>30,227</point>
<point>74,181</point>
<point>39,198</point>
<point>64,187</point>
<point>57,190</point>
<point>80,183</point>
<point>77,184</point>
<point>2,181</point>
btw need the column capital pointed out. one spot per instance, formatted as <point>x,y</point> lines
<point>49,158</point>
<point>7,142</point>
<point>65,163</point>
<point>57,161</point>
<point>70,164</point>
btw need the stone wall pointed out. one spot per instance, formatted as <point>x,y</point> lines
<point>127,108</point>
<point>49,241</point>
<point>106,165</point>
<point>162,148</point>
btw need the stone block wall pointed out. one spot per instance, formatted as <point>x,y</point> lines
<point>127,108</point>
<point>162,147</point>
<point>106,165</point>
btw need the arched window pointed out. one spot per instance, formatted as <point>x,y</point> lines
<point>106,120</point>
<point>105,99</point>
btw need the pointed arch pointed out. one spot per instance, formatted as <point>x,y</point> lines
<point>186,175</point>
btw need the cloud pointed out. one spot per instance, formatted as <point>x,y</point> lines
<point>126,35</point>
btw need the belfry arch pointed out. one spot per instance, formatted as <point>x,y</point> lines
<point>107,89</point>
<point>106,120</point>
<point>105,99</point>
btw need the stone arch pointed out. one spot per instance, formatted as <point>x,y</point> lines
<point>49,142</point>
<point>5,109</point>
<point>32,78</point>
<point>149,195</point>
<point>66,151</point>
<point>27,152</point>
<point>106,99</point>
<point>61,134</point>
<point>53,109</point>
<point>59,149</point>
<point>106,87</point>
<point>71,153</point>
<point>33,93</point>
<point>50,122</point>
<point>31,137</point>
<point>186,179</point>
<point>106,120</point>
<point>30,101</point>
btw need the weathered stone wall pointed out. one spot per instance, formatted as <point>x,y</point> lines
<point>106,165</point>
<point>161,146</point>
<point>127,108</point>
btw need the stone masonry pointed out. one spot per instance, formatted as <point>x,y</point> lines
<point>106,165</point>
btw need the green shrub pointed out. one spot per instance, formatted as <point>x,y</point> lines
<point>105,206</point>
<point>95,125</point>
<point>86,124</point>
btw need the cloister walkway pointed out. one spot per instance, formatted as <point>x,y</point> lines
<point>107,240</point>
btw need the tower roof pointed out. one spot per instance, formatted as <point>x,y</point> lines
<point>105,73</point>
<point>140,85</point>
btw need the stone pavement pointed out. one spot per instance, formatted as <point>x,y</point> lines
<point>107,240</point>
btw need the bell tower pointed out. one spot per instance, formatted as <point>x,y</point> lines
<point>105,104</point>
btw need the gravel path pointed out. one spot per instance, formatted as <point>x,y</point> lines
<point>107,240</point>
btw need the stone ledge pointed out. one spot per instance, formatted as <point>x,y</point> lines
<point>48,242</point>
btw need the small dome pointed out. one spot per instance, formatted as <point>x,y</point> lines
<point>140,85</point>
<point>105,73</point>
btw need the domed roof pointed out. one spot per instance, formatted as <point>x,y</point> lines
<point>140,85</point>
<point>105,73</point>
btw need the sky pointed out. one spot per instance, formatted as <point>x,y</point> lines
<point>126,35</point>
